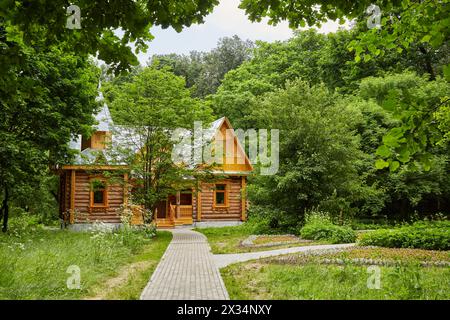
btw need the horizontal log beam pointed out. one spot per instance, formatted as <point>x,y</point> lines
<point>94,167</point>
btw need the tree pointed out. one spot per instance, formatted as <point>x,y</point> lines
<point>271,66</point>
<point>47,20</point>
<point>318,152</point>
<point>204,71</point>
<point>313,57</point>
<point>416,104</point>
<point>45,99</point>
<point>403,23</point>
<point>395,194</point>
<point>150,106</point>
<point>187,66</point>
<point>229,54</point>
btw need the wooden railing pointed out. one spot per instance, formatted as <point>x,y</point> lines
<point>184,214</point>
<point>172,211</point>
<point>185,211</point>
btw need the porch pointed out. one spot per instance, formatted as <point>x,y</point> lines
<point>175,211</point>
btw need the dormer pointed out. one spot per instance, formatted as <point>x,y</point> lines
<point>98,141</point>
<point>102,135</point>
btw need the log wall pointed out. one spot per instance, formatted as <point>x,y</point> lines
<point>83,211</point>
<point>232,212</point>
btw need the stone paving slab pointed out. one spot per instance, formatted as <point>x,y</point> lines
<point>223,260</point>
<point>189,271</point>
<point>186,271</point>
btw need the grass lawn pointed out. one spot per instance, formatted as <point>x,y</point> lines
<point>33,264</point>
<point>228,239</point>
<point>303,277</point>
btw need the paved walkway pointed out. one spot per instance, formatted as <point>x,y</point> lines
<point>189,271</point>
<point>186,271</point>
<point>223,260</point>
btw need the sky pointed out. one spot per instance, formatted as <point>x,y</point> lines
<point>225,21</point>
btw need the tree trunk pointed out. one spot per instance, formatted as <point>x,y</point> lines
<point>5,209</point>
<point>428,64</point>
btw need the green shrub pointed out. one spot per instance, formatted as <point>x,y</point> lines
<point>319,226</point>
<point>330,232</point>
<point>368,226</point>
<point>434,235</point>
<point>371,224</point>
<point>264,220</point>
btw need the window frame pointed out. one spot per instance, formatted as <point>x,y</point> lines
<point>225,192</point>
<point>92,191</point>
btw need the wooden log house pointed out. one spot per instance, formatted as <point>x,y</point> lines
<point>80,203</point>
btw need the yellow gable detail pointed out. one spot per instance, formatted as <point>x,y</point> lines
<point>234,157</point>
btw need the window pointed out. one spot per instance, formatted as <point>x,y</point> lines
<point>85,143</point>
<point>186,199</point>
<point>99,194</point>
<point>221,195</point>
<point>99,197</point>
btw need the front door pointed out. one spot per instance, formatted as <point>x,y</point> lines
<point>161,210</point>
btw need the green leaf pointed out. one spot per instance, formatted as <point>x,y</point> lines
<point>394,165</point>
<point>367,57</point>
<point>381,164</point>
<point>392,139</point>
<point>436,40</point>
<point>383,151</point>
<point>426,38</point>
<point>404,155</point>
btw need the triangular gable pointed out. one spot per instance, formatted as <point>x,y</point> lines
<point>235,158</point>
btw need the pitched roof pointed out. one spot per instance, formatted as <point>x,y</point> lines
<point>103,118</point>
<point>126,138</point>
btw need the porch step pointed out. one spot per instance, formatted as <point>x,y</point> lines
<point>181,221</point>
<point>165,226</point>
<point>165,223</point>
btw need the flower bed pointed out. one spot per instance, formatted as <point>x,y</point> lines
<point>368,256</point>
<point>258,241</point>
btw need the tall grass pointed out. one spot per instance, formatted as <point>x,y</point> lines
<point>329,282</point>
<point>34,261</point>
